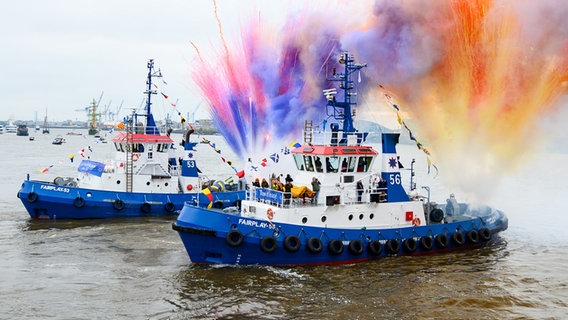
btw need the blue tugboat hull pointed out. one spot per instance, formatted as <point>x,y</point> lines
<point>215,237</point>
<point>44,200</point>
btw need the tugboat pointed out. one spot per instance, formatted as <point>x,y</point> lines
<point>22,130</point>
<point>357,215</point>
<point>147,177</point>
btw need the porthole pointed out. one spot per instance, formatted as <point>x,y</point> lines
<point>148,183</point>
<point>117,181</point>
<point>323,219</point>
<point>371,216</point>
<point>304,220</point>
<point>361,216</point>
<point>350,217</point>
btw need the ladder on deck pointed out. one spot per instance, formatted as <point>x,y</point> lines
<point>129,161</point>
<point>308,131</point>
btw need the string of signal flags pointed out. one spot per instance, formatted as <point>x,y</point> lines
<point>420,146</point>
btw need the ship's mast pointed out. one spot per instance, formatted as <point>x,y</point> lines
<point>342,111</point>
<point>151,127</point>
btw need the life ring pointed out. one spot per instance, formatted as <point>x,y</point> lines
<point>268,244</point>
<point>426,243</point>
<point>484,234</point>
<point>472,236</point>
<point>416,221</point>
<point>189,187</point>
<point>458,238</point>
<point>234,238</point>
<point>314,245</point>
<point>392,246</point>
<point>79,202</point>
<point>32,197</point>
<point>335,247</point>
<point>356,247</point>
<point>118,204</point>
<point>375,248</point>
<point>269,213</point>
<point>441,241</point>
<point>292,243</point>
<point>409,245</point>
<point>169,207</point>
<point>135,157</point>
<point>146,207</point>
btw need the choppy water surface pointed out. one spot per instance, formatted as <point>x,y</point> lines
<point>138,269</point>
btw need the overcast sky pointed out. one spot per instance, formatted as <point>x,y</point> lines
<point>58,55</point>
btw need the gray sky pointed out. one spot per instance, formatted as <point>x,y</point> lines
<point>59,55</point>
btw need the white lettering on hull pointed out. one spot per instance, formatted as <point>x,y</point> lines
<point>54,188</point>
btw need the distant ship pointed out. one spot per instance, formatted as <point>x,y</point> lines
<point>22,130</point>
<point>11,127</point>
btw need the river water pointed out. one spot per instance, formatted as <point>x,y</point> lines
<point>138,268</point>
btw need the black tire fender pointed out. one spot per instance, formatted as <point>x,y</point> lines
<point>32,197</point>
<point>392,246</point>
<point>335,247</point>
<point>426,243</point>
<point>409,245</point>
<point>146,207</point>
<point>118,204</point>
<point>314,245</point>
<point>234,238</point>
<point>169,207</point>
<point>79,202</point>
<point>292,243</point>
<point>356,247</point>
<point>375,248</point>
<point>458,239</point>
<point>268,244</point>
<point>441,241</point>
<point>472,236</point>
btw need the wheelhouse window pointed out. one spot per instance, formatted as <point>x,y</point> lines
<point>319,165</point>
<point>364,164</point>
<point>299,161</point>
<point>351,167</point>
<point>308,163</point>
<point>331,164</point>
<point>162,147</point>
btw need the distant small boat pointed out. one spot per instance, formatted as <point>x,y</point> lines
<point>32,138</point>
<point>45,127</point>
<point>71,133</point>
<point>58,140</point>
<point>22,130</point>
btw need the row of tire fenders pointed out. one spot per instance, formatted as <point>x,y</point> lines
<point>117,204</point>
<point>356,247</point>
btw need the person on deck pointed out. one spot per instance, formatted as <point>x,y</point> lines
<point>315,188</point>
<point>264,183</point>
<point>256,183</point>
<point>360,190</point>
<point>287,193</point>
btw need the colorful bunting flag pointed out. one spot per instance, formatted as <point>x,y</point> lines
<point>419,145</point>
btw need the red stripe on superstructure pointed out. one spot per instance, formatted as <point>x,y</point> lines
<point>143,138</point>
<point>335,150</point>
